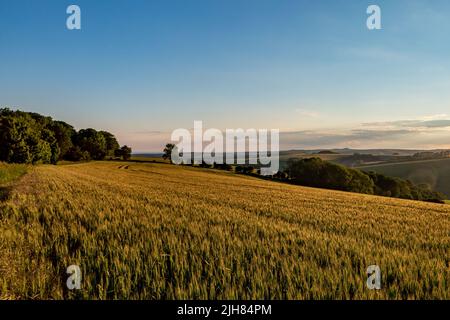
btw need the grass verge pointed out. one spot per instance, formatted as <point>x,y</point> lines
<point>8,174</point>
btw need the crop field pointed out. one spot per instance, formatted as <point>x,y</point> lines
<point>157,231</point>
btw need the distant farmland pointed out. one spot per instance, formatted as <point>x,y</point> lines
<point>157,231</point>
<point>435,173</point>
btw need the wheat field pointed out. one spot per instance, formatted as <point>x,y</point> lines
<point>157,231</point>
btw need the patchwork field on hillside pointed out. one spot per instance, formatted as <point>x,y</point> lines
<point>157,231</point>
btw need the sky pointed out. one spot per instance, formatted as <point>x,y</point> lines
<point>312,69</point>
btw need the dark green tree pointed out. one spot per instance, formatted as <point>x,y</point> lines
<point>32,138</point>
<point>64,134</point>
<point>111,143</point>
<point>168,151</point>
<point>315,172</point>
<point>23,139</point>
<point>76,154</point>
<point>124,153</point>
<point>93,142</point>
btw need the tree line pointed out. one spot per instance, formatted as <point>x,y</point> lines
<point>314,172</point>
<point>31,138</point>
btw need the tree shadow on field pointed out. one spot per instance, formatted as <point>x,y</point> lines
<point>5,193</point>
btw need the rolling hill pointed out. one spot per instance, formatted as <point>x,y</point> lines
<point>157,231</point>
<point>434,173</point>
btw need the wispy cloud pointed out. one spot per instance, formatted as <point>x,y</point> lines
<point>439,116</point>
<point>411,134</point>
<point>434,124</point>
<point>333,139</point>
<point>307,113</point>
<point>150,132</point>
<point>442,123</point>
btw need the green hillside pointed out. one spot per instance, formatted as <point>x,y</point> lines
<point>435,173</point>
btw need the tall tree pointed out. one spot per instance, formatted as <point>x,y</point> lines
<point>124,153</point>
<point>168,151</point>
<point>111,143</point>
<point>23,139</point>
<point>64,134</point>
<point>93,142</point>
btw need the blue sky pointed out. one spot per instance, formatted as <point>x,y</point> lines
<point>312,69</point>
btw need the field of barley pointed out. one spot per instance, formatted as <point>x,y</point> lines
<point>157,231</point>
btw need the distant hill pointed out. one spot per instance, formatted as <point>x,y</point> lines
<point>302,154</point>
<point>365,157</point>
<point>148,155</point>
<point>395,152</point>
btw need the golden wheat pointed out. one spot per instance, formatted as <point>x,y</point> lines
<point>156,231</point>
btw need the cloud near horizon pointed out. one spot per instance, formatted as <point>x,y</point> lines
<point>443,123</point>
<point>402,134</point>
<point>355,138</point>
